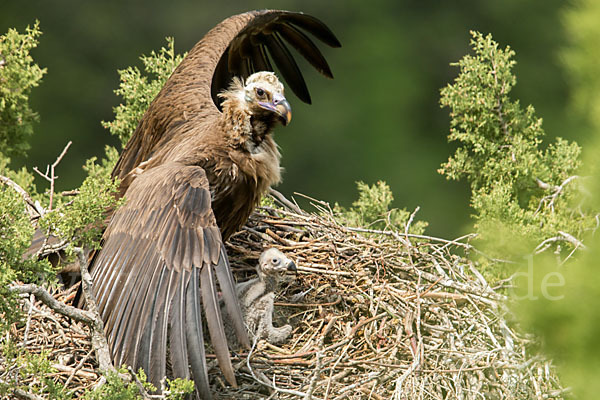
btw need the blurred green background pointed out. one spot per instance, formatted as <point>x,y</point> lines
<point>379,119</point>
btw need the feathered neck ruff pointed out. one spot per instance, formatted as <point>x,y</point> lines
<point>246,128</point>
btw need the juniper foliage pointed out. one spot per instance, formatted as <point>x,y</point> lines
<point>18,75</point>
<point>138,90</point>
<point>522,191</point>
<point>373,209</point>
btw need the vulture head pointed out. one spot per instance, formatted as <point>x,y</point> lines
<point>263,94</point>
<point>255,105</point>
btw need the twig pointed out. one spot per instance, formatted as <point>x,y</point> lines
<point>271,386</point>
<point>319,358</point>
<point>78,367</point>
<point>573,240</point>
<point>466,246</point>
<point>557,191</point>
<point>33,209</point>
<point>410,220</point>
<point>544,245</point>
<point>42,295</point>
<point>26,395</point>
<point>279,196</point>
<point>28,324</point>
<point>322,271</point>
<point>52,176</point>
<point>99,342</point>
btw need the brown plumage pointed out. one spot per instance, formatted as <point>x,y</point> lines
<point>193,171</point>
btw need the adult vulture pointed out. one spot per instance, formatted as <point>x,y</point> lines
<point>193,171</point>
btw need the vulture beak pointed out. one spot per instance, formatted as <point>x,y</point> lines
<point>279,106</point>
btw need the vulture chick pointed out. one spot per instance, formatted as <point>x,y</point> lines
<point>257,296</point>
<point>198,163</point>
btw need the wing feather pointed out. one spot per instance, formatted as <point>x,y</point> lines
<point>149,273</point>
<point>230,298</point>
<point>133,317</point>
<point>208,287</point>
<point>245,50</point>
<point>177,339</point>
<point>260,59</point>
<point>306,48</point>
<point>195,337</point>
<point>313,25</point>
<point>287,66</point>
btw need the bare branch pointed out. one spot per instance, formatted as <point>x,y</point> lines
<point>21,394</point>
<point>99,342</point>
<point>562,236</point>
<point>557,191</point>
<point>141,389</point>
<point>410,220</point>
<point>52,177</point>
<point>281,198</point>
<point>45,297</point>
<point>34,210</point>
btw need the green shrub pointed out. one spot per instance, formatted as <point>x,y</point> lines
<point>522,193</point>
<point>18,75</point>
<point>139,90</point>
<point>373,210</point>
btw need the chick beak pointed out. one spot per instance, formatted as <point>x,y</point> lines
<point>279,106</point>
<point>291,267</point>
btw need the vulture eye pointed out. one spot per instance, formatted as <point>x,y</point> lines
<point>260,92</point>
<point>275,261</point>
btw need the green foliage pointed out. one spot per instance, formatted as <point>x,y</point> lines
<point>567,322</point>
<point>26,365</point>
<point>15,237</point>
<point>22,177</point>
<point>139,90</point>
<point>565,317</point>
<point>179,388</point>
<point>517,187</point>
<point>77,220</point>
<point>18,75</point>
<point>116,389</point>
<point>583,57</point>
<point>81,221</point>
<point>372,210</point>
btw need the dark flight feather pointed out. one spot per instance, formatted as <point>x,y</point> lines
<point>287,67</point>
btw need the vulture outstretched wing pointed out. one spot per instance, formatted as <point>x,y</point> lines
<point>237,46</point>
<point>160,263</point>
<point>163,255</point>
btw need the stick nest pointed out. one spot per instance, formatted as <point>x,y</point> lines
<point>384,315</point>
